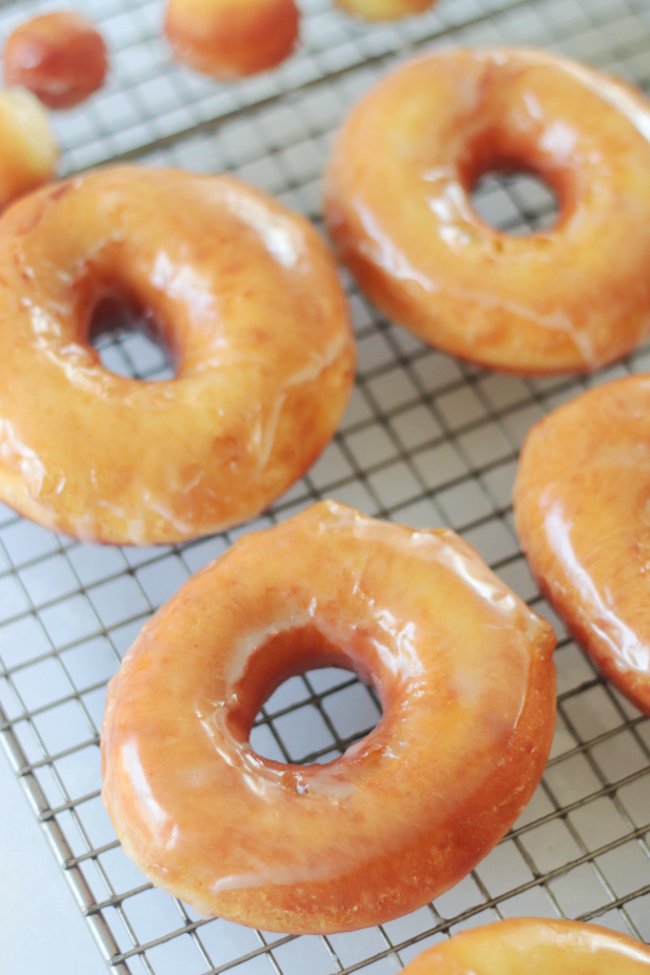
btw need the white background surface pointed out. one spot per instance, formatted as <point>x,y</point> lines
<point>42,931</point>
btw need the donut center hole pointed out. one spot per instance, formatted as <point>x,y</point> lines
<point>129,342</point>
<point>314,717</point>
<point>516,203</point>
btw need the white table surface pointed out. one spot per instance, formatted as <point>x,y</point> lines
<point>42,931</point>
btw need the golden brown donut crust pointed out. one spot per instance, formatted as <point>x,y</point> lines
<point>232,38</point>
<point>245,295</point>
<point>582,514</point>
<point>398,208</point>
<point>465,673</point>
<point>535,946</point>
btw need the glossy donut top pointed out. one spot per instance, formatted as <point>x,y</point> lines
<point>465,674</point>
<point>245,296</point>
<point>399,210</point>
<point>535,946</point>
<point>582,513</point>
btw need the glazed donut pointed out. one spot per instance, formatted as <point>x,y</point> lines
<point>242,292</point>
<point>583,520</point>
<point>465,674</point>
<point>535,946</point>
<point>399,210</point>
<point>232,38</point>
<point>28,148</point>
<point>60,57</point>
<point>373,10</point>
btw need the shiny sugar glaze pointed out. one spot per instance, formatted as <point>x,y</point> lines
<point>247,299</point>
<point>465,675</point>
<point>537,946</point>
<point>398,208</point>
<point>582,513</point>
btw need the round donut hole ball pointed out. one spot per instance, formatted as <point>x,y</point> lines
<point>28,149</point>
<point>378,10</point>
<point>230,39</point>
<point>60,57</point>
<point>464,673</point>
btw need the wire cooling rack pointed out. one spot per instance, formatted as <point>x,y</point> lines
<point>427,441</point>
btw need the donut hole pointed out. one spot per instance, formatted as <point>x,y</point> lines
<point>305,701</point>
<point>129,342</point>
<point>518,203</point>
<point>313,718</point>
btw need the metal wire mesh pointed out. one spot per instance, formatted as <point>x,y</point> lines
<point>427,441</point>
